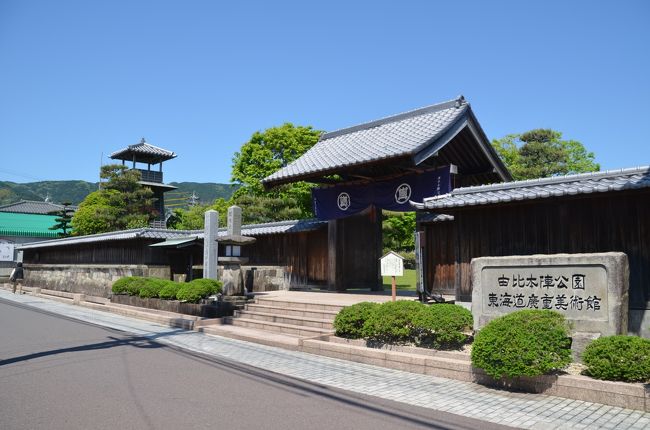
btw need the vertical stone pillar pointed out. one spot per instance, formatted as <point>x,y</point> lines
<point>210,245</point>
<point>234,220</point>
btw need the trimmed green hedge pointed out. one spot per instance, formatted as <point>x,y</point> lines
<point>618,358</point>
<point>350,320</point>
<point>407,322</point>
<point>524,343</point>
<point>198,289</point>
<point>393,322</point>
<point>443,326</point>
<point>169,290</point>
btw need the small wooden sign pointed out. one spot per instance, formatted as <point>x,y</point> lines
<point>392,264</point>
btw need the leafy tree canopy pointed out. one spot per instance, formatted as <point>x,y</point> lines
<point>265,153</point>
<point>541,153</point>
<point>121,203</point>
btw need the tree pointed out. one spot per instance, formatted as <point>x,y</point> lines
<point>542,153</point>
<point>63,220</point>
<point>260,209</point>
<point>121,203</point>
<point>398,231</point>
<point>264,154</point>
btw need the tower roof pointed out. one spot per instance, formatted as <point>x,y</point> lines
<point>143,153</point>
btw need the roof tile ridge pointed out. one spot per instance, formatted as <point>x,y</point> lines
<point>458,102</point>
<point>550,180</point>
<point>150,145</point>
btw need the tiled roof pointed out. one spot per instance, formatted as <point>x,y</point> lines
<point>406,134</point>
<point>278,227</point>
<point>144,233</point>
<point>27,225</point>
<point>143,149</point>
<point>154,233</point>
<point>32,207</point>
<point>434,217</point>
<point>569,185</point>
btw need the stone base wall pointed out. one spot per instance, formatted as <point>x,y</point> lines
<point>264,278</point>
<point>91,279</point>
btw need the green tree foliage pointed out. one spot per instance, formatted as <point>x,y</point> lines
<point>398,231</point>
<point>121,203</point>
<point>542,153</point>
<point>63,220</point>
<point>265,153</point>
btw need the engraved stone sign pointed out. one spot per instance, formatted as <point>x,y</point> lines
<point>590,290</point>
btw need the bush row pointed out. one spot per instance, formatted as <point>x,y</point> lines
<point>405,322</point>
<point>523,343</point>
<point>190,292</point>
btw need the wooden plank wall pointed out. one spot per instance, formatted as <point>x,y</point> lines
<point>108,252</point>
<point>593,223</point>
<point>305,253</point>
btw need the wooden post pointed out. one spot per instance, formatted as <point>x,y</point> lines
<point>394,289</point>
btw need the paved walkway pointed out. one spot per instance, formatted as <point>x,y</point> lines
<point>471,400</point>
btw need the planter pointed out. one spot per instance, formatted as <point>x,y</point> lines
<point>220,309</point>
<point>457,365</point>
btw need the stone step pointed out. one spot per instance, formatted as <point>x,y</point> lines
<point>322,314</point>
<point>279,327</point>
<point>285,319</point>
<point>309,306</point>
<point>264,337</point>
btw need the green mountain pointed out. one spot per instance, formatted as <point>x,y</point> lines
<point>206,192</point>
<point>75,191</point>
<point>57,191</point>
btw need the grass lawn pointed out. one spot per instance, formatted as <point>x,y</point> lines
<point>404,283</point>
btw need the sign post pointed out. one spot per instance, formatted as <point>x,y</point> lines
<point>392,264</point>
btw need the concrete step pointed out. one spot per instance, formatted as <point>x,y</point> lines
<point>315,314</point>
<point>279,327</point>
<point>309,306</point>
<point>264,337</point>
<point>285,319</point>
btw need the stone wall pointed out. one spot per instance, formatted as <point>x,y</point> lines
<point>91,279</point>
<point>97,279</point>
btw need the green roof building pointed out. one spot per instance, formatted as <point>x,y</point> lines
<point>27,225</point>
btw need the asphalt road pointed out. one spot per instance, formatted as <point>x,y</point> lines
<point>60,373</point>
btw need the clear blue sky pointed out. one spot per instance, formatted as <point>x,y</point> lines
<point>82,78</point>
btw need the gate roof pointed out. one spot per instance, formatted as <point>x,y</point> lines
<point>445,133</point>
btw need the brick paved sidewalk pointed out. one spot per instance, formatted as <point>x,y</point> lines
<point>532,411</point>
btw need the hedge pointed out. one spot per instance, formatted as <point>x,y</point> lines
<point>524,343</point>
<point>618,358</point>
<point>169,290</point>
<point>198,289</point>
<point>393,322</point>
<point>443,326</point>
<point>350,320</point>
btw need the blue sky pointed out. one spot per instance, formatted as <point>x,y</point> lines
<point>82,78</point>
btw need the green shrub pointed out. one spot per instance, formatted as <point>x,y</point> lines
<point>210,285</point>
<point>528,342</point>
<point>443,325</point>
<point>618,358</point>
<point>119,286</point>
<point>130,285</point>
<point>393,322</point>
<point>169,290</point>
<point>152,287</point>
<point>350,320</point>
<point>198,289</point>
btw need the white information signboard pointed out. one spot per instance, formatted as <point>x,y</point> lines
<point>392,264</point>
<point>6,250</point>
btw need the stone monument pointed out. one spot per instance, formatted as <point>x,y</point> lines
<point>210,246</point>
<point>590,290</point>
<point>232,276</point>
